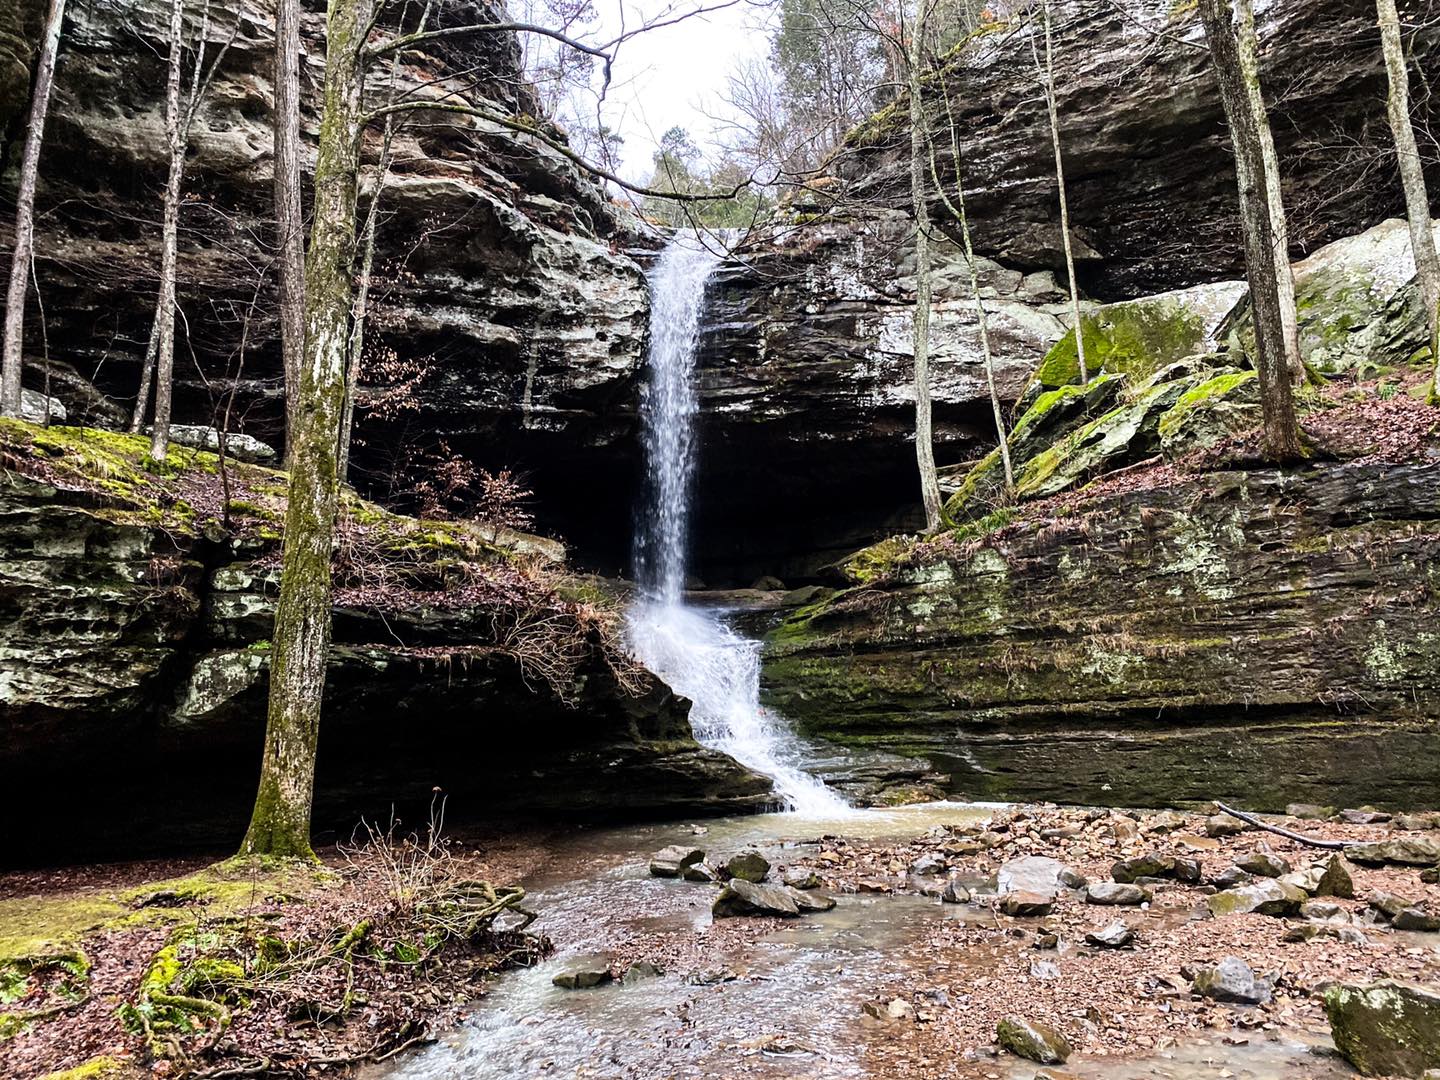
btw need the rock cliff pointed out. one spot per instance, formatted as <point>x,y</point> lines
<point>134,637</point>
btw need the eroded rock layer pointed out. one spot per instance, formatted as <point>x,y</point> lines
<point>1261,636</point>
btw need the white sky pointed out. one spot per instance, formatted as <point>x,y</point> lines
<point>675,74</point>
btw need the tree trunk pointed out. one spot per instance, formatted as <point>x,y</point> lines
<point>1412,176</point>
<point>924,439</point>
<point>1054,110</point>
<point>1275,193</point>
<point>289,213</point>
<point>300,644</point>
<point>12,358</point>
<point>169,239</point>
<point>147,374</point>
<point>1282,433</point>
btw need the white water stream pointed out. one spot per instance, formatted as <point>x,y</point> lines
<point>692,649</point>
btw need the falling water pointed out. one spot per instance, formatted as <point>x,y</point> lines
<point>693,650</point>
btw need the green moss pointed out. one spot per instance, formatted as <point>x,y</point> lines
<point>1208,392</point>
<point>1139,337</point>
<point>877,561</point>
<point>99,1068</point>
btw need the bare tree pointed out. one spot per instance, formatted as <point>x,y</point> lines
<point>1412,177</point>
<point>289,212</point>
<point>1263,256</point>
<point>919,201</point>
<point>12,360</point>
<point>1052,108</point>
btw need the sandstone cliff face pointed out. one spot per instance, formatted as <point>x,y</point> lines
<point>807,357</point>
<point>133,681</point>
<point>1261,636</point>
<point>498,269</point>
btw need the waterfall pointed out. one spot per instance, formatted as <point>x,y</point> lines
<point>693,650</point>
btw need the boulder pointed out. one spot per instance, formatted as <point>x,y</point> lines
<point>1267,897</point>
<point>1336,880</point>
<point>1150,864</point>
<point>1263,863</point>
<point>955,893</point>
<point>1230,877</point>
<point>1309,812</point>
<point>929,864</point>
<point>740,897</point>
<point>1387,1028</point>
<point>1114,936</point>
<point>1188,871</point>
<point>672,862</point>
<point>1116,894</point>
<point>702,873</point>
<point>582,975</point>
<point>1387,905</point>
<point>1032,874</point>
<point>800,877</point>
<point>1232,981</point>
<point>1425,820</point>
<point>1224,825</point>
<point>1416,918</point>
<point>640,971</point>
<point>1366,815</point>
<point>748,866</point>
<point>238,446</point>
<point>809,902</point>
<point>1401,851</point>
<point>1026,905</point>
<point>1032,1040</point>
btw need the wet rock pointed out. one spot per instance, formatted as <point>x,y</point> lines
<point>1336,880</point>
<point>1150,864</point>
<point>1366,815</point>
<point>1224,825</point>
<point>1388,1028</point>
<point>1401,851</point>
<point>748,866</point>
<point>1263,863</point>
<point>1116,894</point>
<point>741,897</point>
<point>583,975</point>
<point>1232,981</point>
<point>1115,936</point>
<point>1032,1040</point>
<point>801,878</point>
<point>1310,812</point>
<point>1031,874</point>
<point>712,976</point>
<point>955,893</point>
<point>639,972</point>
<point>809,902</point>
<point>673,861</point>
<point>929,865</point>
<point>1027,905</point>
<point>1268,897</point>
<point>701,873</point>
<point>1416,918</point>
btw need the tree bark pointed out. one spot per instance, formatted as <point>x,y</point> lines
<point>1412,177</point>
<point>924,438</point>
<point>1053,108</point>
<point>289,213</point>
<point>280,824</point>
<point>169,238</point>
<point>1282,433</point>
<point>12,358</point>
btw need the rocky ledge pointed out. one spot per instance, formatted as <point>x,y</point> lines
<point>134,657</point>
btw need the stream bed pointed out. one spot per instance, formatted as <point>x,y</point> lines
<point>761,998</point>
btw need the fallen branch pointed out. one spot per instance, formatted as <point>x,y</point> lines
<point>1299,838</point>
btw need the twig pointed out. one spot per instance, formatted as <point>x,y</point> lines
<point>1299,838</point>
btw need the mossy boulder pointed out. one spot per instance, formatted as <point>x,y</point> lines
<point>1141,336</point>
<point>1223,405</point>
<point>1388,1028</point>
<point>1032,1041</point>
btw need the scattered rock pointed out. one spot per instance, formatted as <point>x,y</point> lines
<point>802,878</point>
<point>929,865</point>
<point>1263,863</point>
<point>1309,812</point>
<point>674,861</point>
<point>894,1009</point>
<point>1387,905</point>
<point>1232,981</point>
<point>741,897</point>
<point>1416,918</point>
<point>1320,910</point>
<point>1150,864</point>
<point>1166,821</point>
<point>1073,879</point>
<point>1336,880</point>
<point>955,893</point>
<point>809,902</point>
<point>1188,871</point>
<point>1224,825</point>
<point>1418,822</point>
<point>1032,1041</point>
<point>1116,894</point>
<point>1230,877</point>
<point>748,866</point>
<point>1115,936</point>
<point>1268,897</point>
<point>1031,874</point>
<point>1346,935</point>
<point>1307,881</point>
<point>702,873</point>
<point>1386,1028</point>
<point>1430,875</point>
<point>1366,815</point>
<point>1026,905</point>
<point>1047,941</point>
<point>639,972</point>
<point>583,975</point>
<point>1402,851</point>
<point>712,976</point>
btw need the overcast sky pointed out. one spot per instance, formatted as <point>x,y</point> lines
<point>674,74</point>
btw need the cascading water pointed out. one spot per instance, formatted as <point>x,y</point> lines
<point>693,650</point>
